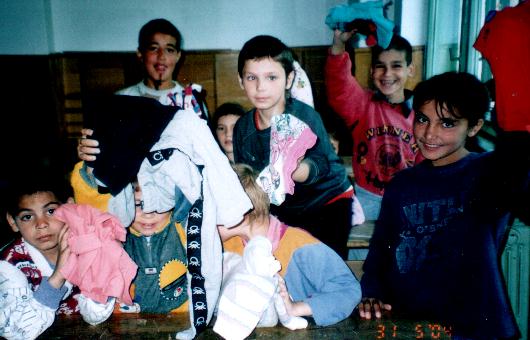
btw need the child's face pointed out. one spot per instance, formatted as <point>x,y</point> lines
<point>35,221</point>
<point>265,82</point>
<point>441,140</point>
<point>159,59</point>
<point>390,73</point>
<point>144,223</point>
<point>224,130</point>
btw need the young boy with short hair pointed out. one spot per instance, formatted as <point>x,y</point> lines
<point>159,51</point>
<point>155,242</point>
<point>318,280</point>
<point>32,288</point>
<point>322,197</point>
<point>380,121</point>
<point>436,245</point>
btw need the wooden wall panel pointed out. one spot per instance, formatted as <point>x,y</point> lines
<point>417,61</point>
<point>313,60</point>
<point>49,117</point>
<point>226,80</point>
<point>362,66</point>
<point>78,74</point>
<point>199,67</point>
<point>31,122</point>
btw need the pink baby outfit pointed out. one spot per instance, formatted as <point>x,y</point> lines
<point>97,264</point>
<point>290,139</point>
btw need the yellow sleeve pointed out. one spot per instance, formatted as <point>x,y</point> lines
<point>234,245</point>
<point>84,193</point>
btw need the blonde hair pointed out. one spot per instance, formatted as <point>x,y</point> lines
<point>259,198</point>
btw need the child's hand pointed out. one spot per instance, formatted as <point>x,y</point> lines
<point>369,305</point>
<point>87,149</point>
<point>339,40</point>
<point>301,173</point>
<point>57,279</point>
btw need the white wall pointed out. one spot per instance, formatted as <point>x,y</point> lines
<point>50,26</point>
<point>205,24</point>
<point>24,27</point>
<point>414,21</point>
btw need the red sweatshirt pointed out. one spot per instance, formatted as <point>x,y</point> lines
<point>383,142</point>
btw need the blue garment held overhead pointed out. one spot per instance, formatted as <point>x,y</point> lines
<point>338,16</point>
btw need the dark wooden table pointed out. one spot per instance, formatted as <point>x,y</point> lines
<point>144,326</point>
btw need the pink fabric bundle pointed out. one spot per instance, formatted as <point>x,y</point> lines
<point>97,264</point>
<point>290,139</point>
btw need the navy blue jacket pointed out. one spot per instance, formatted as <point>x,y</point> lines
<point>436,246</point>
<point>327,178</point>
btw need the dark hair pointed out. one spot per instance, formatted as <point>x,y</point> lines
<point>226,109</point>
<point>31,183</point>
<point>265,46</point>
<point>462,94</point>
<point>397,43</point>
<point>157,26</point>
